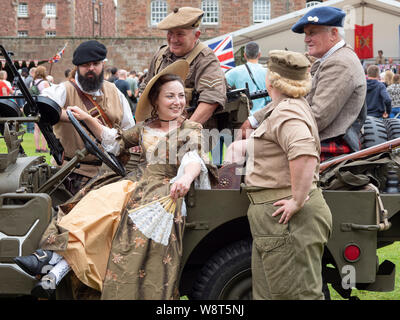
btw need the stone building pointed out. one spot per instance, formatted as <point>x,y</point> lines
<point>35,30</point>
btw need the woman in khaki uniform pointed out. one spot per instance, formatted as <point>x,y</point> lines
<point>289,219</point>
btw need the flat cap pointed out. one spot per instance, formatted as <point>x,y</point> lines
<point>185,17</point>
<point>89,51</point>
<point>289,64</point>
<point>326,16</point>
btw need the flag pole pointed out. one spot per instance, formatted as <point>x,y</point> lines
<point>362,17</point>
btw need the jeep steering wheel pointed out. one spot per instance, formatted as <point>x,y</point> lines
<point>108,158</point>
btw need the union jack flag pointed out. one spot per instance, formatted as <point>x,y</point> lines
<point>223,49</point>
<point>58,56</point>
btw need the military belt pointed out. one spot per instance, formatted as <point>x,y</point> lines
<point>259,195</point>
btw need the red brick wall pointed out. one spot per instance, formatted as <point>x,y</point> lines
<point>85,25</point>
<point>8,17</point>
<point>74,18</point>
<point>133,16</point>
<point>37,24</point>
<point>126,53</point>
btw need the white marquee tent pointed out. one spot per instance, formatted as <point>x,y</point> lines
<point>276,33</point>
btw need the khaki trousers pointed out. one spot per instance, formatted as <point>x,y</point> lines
<point>286,258</point>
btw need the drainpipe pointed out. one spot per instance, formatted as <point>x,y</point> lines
<point>93,2</point>
<point>100,9</point>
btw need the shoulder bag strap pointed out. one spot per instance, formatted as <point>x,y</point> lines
<point>94,109</point>
<point>195,52</point>
<point>251,76</point>
<point>159,59</point>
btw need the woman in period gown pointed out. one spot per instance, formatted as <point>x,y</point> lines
<point>118,251</point>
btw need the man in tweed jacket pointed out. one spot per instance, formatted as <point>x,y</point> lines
<point>338,86</point>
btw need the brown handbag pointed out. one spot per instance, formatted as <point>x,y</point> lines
<point>229,177</point>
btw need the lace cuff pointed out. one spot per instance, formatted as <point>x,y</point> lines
<point>202,181</point>
<point>108,140</point>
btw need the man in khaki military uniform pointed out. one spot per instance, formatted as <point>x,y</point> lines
<point>87,89</point>
<point>205,74</point>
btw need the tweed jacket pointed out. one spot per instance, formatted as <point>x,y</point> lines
<point>338,92</point>
<point>337,95</point>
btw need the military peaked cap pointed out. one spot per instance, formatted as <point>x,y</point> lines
<point>288,64</point>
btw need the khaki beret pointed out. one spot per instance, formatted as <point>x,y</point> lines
<point>185,17</point>
<point>289,64</point>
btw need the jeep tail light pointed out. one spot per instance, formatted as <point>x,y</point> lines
<point>352,252</point>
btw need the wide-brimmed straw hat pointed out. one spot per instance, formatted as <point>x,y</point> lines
<point>144,107</point>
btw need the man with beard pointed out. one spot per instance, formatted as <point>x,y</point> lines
<point>88,90</point>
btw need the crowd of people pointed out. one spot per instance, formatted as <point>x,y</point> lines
<point>313,113</point>
<point>383,92</point>
<point>383,89</point>
<point>36,79</point>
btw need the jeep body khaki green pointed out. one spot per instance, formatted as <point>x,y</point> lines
<point>217,243</point>
<point>216,260</point>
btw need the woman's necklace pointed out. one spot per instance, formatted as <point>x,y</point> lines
<point>162,120</point>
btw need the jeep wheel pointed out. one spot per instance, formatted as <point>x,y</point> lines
<point>227,275</point>
<point>392,128</point>
<point>374,132</point>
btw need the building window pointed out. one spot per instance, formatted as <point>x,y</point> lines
<point>211,11</point>
<point>310,4</point>
<point>50,34</point>
<point>22,10</point>
<point>261,10</point>
<point>50,10</point>
<point>96,15</point>
<point>22,34</point>
<point>158,11</point>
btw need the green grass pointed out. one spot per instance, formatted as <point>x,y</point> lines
<point>391,253</point>
<point>28,144</point>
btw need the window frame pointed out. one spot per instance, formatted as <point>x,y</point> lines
<point>256,10</point>
<point>157,16</point>
<point>207,4</point>
<point>96,15</point>
<point>22,33</point>
<point>311,4</point>
<point>22,14</point>
<point>50,6</point>
<point>50,34</point>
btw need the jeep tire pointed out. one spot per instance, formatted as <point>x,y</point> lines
<point>374,132</point>
<point>226,275</point>
<point>392,128</point>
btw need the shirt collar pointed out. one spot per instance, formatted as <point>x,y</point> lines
<point>337,46</point>
<point>174,57</point>
<point>93,93</point>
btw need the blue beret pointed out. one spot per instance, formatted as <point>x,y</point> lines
<point>89,51</point>
<point>326,16</point>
